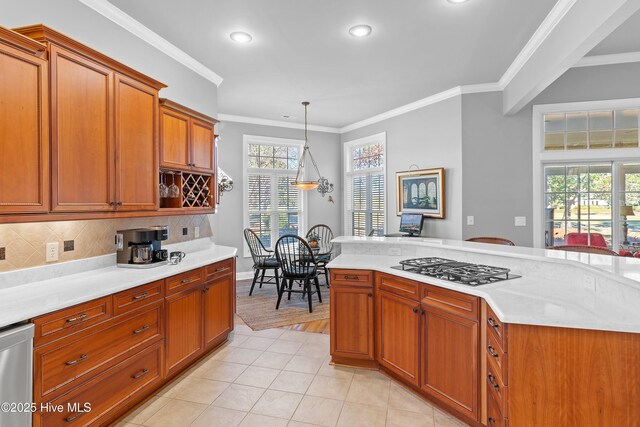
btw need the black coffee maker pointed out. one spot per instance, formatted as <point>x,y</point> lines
<point>141,247</point>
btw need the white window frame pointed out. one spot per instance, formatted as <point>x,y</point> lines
<point>349,146</point>
<point>246,170</point>
<point>542,158</point>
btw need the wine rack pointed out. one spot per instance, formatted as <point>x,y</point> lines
<point>195,191</point>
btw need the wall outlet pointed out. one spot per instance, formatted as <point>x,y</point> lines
<point>196,232</point>
<point>52,252</point>
<point>471,220</point>
<point>185,231</point>
<point>119,242</point>
<point>521,221</point>
<point>394,251</point>
<point>69,245</point>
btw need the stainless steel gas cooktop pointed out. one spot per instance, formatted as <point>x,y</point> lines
<point>453,271</point>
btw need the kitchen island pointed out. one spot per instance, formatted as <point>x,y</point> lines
<point>558,346</point>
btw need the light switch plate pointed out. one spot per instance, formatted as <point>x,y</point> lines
<point>471,220</point>
<point>196,232</point>
<point>521,221</point>
<point>52,251</point>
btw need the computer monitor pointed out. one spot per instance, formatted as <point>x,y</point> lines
<point>411,223</point>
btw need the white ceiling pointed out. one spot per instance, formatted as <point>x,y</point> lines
<point>626,38</point>
<point>301,50</point>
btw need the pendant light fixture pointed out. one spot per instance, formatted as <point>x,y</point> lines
<point>302,181</point>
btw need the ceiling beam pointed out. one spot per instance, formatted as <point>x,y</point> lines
<point>572,29</point>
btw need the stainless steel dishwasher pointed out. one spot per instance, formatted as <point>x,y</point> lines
<point>16,375</point>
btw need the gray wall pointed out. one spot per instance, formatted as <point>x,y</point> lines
<point>228,223</point>
<point>89,27</point>
<point>430,138</point>
<point>497,150</point>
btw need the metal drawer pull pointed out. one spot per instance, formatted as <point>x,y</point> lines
<point>74,417</point>
<point>141,330</point>
<point>185,281</point>
<point>140,374</point>
<point>492,351</point>
<point>491,421</point>
<point>369,294</point>
<point>351,277</point>
<point>77,319</point>
<point>415,310</point>
<point>221,269</point>
<point>492,323</point>
<point>141,296</point>
<point>492,381</point>
<point>78,360</point>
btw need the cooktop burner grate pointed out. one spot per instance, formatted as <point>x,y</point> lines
<point>454,271</point>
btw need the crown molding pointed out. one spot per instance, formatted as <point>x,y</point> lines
<point>549,23</point>
<point>611,59</point>
<point>266,122</point>
<point>116,15</point>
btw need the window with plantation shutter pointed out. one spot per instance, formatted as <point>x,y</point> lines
<point>365,186</point>
<point>272,206</point>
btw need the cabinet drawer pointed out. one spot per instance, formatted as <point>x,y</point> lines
<point>497,389</point>
<point>219,269</point>
<point>498,357</point>
<point>141,296</point>
<point>451,302</point>
<point>59,368</point>
<point>494,416</point>
<point>184,281</point>
<point>108,393</point>
<point>70,320</point>
<point>496,327</point>
<point>397,286</point>
<point>352,277</point>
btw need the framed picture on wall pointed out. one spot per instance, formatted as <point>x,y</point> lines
<point>421,191</point>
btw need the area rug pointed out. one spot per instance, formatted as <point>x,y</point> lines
<point>259,312</point>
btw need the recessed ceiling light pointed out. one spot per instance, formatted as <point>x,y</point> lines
<point>241,37</point>
<point>360,30</point>
<point>457,1</point>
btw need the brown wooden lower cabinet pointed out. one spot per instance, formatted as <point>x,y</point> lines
<point>217,312</point>
<point>398,335</point>
<point>184,328</point>
<point>450,366</point>
<point>352,322</point>
<point>113,358</point>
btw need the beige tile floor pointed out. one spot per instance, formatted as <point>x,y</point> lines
<point>283,378</point>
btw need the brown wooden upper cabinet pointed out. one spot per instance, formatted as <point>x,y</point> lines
<point>104,129</point>
<point>24,125</point>
<point>187,139</point>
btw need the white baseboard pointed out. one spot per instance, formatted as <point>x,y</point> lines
<point>244,275</point>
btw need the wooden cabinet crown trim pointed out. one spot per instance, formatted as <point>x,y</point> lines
<point>167,103</point>
<point>45,34</point>
<point>19,41</point>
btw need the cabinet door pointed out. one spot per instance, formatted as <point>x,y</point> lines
<point>82,140</point>
<point>136,145</point>
<point>174,139</point>
<point>352,322</point>
<point>450,360</point>
<point>398,335</point>
<point>24,132</point>
<point>218,310</point>
<point>202,146</point>
<point>183,336</point>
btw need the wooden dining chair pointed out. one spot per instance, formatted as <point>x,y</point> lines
<point>298,265</point>
<point>584,248</point>
<point>263,261</point>
<point>492,240</point>
<point>325,235</point>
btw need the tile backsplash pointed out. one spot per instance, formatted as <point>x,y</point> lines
<point>24,244</point>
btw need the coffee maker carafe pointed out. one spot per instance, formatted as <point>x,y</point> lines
<point>141,247</point>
